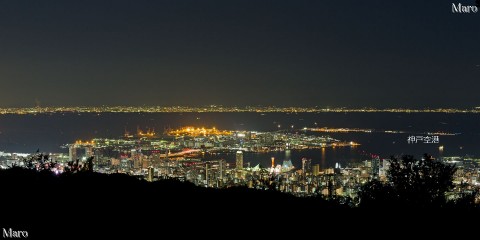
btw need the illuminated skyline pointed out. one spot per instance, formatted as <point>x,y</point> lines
<point>226,109</point>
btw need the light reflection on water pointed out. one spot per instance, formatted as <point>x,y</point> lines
<point>27,133</point>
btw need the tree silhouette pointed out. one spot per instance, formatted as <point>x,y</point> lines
<point>72,166</point>
<point>40,162</point>
<point>375,193</point>
<point>88,167</point>
<point>43,163</point>
<point>411,183</point>
<point>421,182</point>
<point>75,166</point>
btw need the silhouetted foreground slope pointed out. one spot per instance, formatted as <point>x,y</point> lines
<point>89,204</point>
<point>44,201</point>
<point>99,192</point>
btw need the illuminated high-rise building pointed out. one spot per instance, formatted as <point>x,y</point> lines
<point>133,153</point>
<point>306,165</point>
<point>88,151</point>
<point>138,162</point>
<point>206,174</point>
<point>150,173</point>
<point>221,169</point>
<point>272,168</point>
<point>239,160</point>
<point>375,167</point>
<point>136,157</point>
<point>316,169</point>
<point>97,157</point>
<point>72,152</point>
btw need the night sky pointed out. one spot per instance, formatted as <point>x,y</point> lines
<point>284,53</point>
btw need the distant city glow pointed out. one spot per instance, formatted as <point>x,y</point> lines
<point>217,108</point>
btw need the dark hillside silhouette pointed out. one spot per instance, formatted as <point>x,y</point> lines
<point>80,202</point>
<point>41,200</point>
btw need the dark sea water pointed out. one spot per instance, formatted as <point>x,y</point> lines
<point>27,133</point>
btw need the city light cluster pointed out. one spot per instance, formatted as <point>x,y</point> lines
<point>219,108</point>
